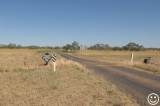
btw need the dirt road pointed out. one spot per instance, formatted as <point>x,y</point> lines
<point>138,84</point>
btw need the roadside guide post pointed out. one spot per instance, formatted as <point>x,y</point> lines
<point>132,58</point>
<point>54,61</point>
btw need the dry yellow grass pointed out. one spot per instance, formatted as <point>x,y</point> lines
<point>70,85</point>
<point>124,58</point>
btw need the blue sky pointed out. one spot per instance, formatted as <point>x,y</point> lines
<point>57,22</point>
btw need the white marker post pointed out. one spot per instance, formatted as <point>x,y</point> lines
<point>54,66</point>
<point>54,61</point>
<point>132,58</point>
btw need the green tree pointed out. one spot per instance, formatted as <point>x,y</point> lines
<point>75,45</point>
<point>68,47</point>
<point>100,47</point>
<point>11,45</point>
<point>116,48</point>
<point>19,46</point>
<point>133,46</point>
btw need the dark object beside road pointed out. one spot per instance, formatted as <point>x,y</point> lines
<point>147,60</point>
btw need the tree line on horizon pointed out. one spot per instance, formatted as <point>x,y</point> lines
<point>14,46</point>
<point>100,46</point>
<point>75,46</point>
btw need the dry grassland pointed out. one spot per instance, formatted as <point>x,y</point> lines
<point>124,58</point>
<point>25,81</point>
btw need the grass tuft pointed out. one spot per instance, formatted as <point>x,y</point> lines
<point>12,69</point>
<point>44,51</point>
<point>76,67</point>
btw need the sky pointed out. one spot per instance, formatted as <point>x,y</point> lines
<point>58,22</point>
